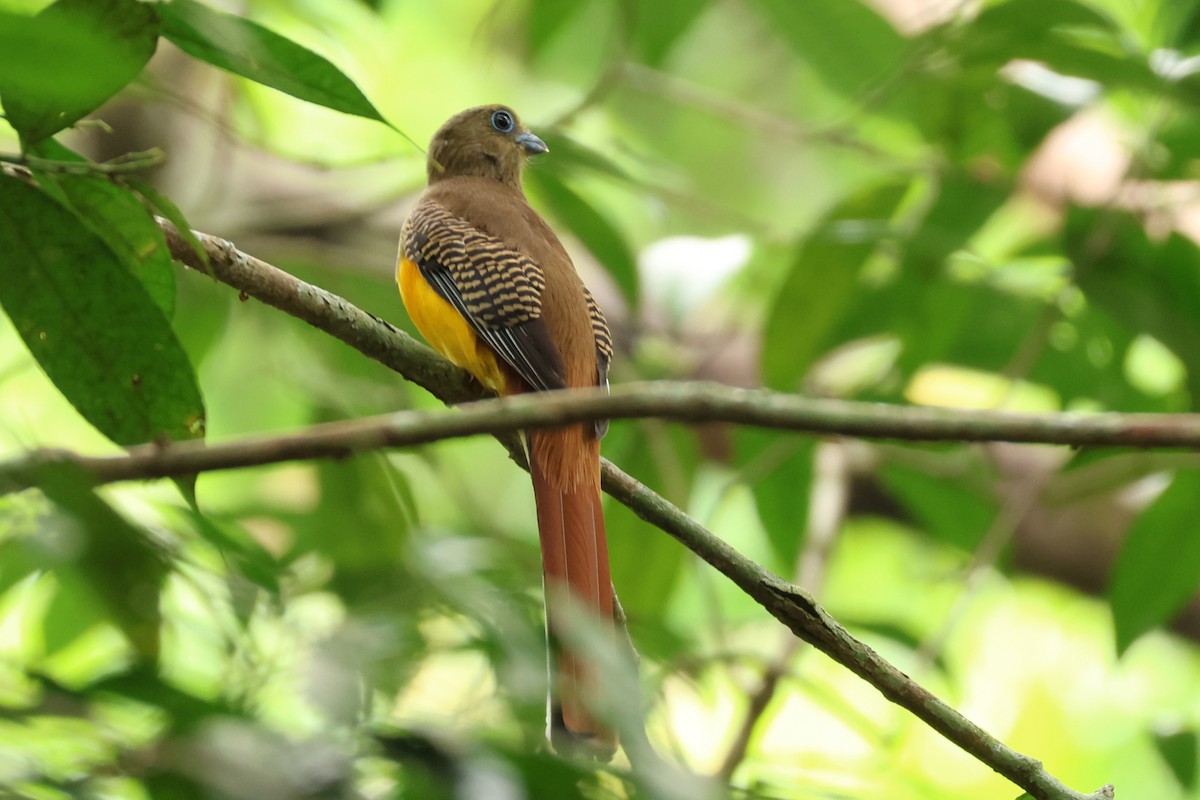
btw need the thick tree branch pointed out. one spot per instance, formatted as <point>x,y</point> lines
<point>789,604</point>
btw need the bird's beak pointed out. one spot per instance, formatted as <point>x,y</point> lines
<point>532,144</point>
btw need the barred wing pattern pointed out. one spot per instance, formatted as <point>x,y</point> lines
<point>495,288</point>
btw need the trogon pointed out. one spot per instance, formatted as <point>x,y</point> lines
<point>489,285</point>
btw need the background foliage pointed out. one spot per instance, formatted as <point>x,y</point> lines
<point>980,204</point>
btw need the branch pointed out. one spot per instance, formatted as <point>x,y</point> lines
<point>790,605</point>
<point>679,401</point>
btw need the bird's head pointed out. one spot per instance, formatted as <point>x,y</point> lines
<point>488,141</point>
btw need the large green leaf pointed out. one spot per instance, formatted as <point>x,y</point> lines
<point>59,66</point>
<point>822,284</point>
<point>248,49</point>
<point>598,234</point>
<point>1158,568</point>
<point>91,325</point>
<point>846,42</point>
<point>118,217</point>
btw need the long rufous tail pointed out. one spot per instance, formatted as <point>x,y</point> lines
<point>565,465</point>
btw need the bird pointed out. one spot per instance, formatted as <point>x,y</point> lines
<point>489,285</point>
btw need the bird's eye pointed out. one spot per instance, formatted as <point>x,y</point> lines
<point>502,121</point>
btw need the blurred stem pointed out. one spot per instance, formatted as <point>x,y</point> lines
<point>127,163</point>
<point>788,603</point>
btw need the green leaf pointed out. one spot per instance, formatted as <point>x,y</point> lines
<point>947,510</point>
<point>822,283</point>
<point>244,552</point>
<point>646,570</point>
<point>144,685</point>
<point>59,66</point>
<point>962,206</point>
<point>91,325</point>
<point>1158,568</point>
<point>599,235</point>
<point>1147,285</point>
<point>118,217</point>
<point>113,564</point>
<point>248,49</point>
<point>846,42</point>
<point>779,470</point>
<point>173,786</point>
<point>546,18</point>
<point>657,26</point>
<point>571,155</point>
<point>1008,24</point>
<point>370,496</point>
<point>1179,751</point>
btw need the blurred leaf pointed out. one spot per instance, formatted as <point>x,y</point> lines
<point>1148,286</point>
<point>846,42</point>
<point>245,553</point>
<point>1158,568</point>
<point>143,684</point>
<point>362,523</point>
<point>1000,27</point>
<point>112,561</point>
<point>1017,28</point>
<point>248,49</point>
<point>16,561</point>
<point>545,19</point>
<point>1070,38</point>
<point>962,205</point>
<point>646,569</point>
<point>569,155</point>
<point>1179,751</point>
<point>91,325</point>
<point>62,64</point>
<point>118,217</point>
<point>822,283</point>
<point>658,25</point>
<point>946,509</point>
<point>598,234</point>
<point>173,786</point>
<point>779,470</point>
<point>968,324</point>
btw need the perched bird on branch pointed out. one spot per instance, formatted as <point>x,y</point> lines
<point>489,285</point>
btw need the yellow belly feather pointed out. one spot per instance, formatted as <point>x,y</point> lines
<point>445,329</point>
